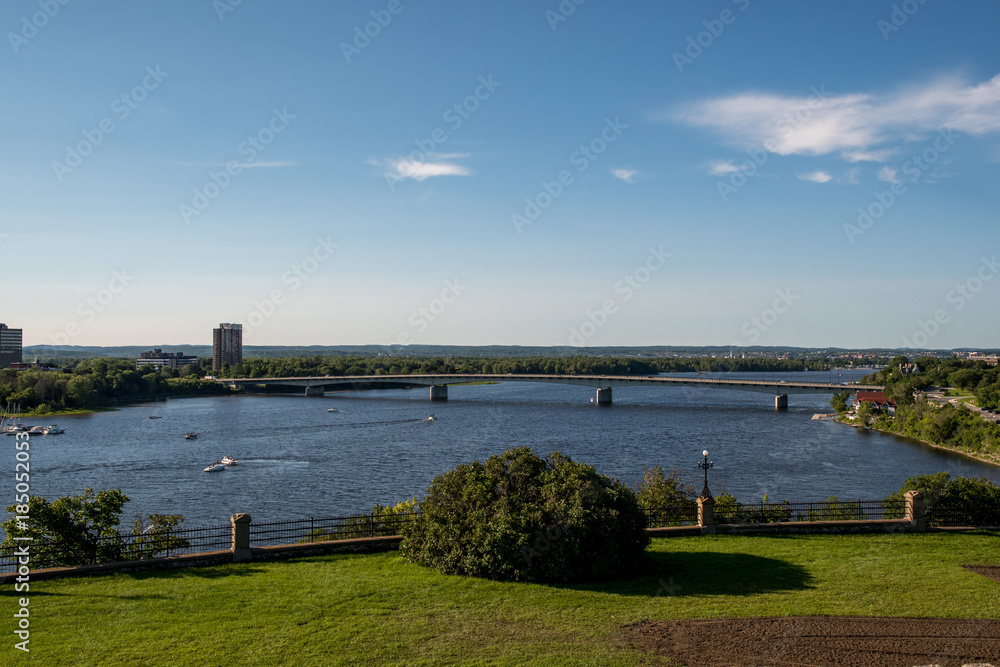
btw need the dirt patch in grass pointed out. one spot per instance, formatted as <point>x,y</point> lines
<point>819,640</point>
<point>990,571</point>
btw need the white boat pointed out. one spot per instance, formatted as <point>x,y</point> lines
<point>53,430</point>
<point>431,418</point>
<point>191,436</point>
<point>332,410</point>
<point>215,467</point>
<point>228,460</point>
<point>36,430</point>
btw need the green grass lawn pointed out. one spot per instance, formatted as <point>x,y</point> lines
<point>378,609</point>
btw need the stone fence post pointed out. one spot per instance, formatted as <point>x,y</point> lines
<point>706,515</point>
<point>915,511</point>
<point>241,537</point>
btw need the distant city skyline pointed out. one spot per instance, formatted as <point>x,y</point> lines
<point>732,174</point>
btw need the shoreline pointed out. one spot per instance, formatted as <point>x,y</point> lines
<point>945,448</point>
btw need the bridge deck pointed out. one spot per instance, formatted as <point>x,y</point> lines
<point>597,381</point>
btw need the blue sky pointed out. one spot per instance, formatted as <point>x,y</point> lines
<point>719,173</point>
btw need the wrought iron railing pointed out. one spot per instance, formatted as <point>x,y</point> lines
<point>115,546</point>
<point>672,515</point>
<point>329,528</point>
<point>839,510</point>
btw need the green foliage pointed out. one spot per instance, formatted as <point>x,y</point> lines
<point>664,498</point>
<point>968,501</point>
<point>82,529</point>
<point>839,402</point>
<point>947,425</point>
<point>97,382</point>
<point>523,518</point>
<point>382,521</point>
<point>575,365</point>
<point>729,510</point>
<point>865,412</point>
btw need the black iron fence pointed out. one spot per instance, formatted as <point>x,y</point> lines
<point>331,528</point>
<point>673,515</point>
<point>838,510</point>
<point>949,516</point>
<point>114,546</point>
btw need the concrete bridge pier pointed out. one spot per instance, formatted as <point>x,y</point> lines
<point>315,391</point>
<point>439,392</point>
<point>781,402</point>
<point>604,396</point>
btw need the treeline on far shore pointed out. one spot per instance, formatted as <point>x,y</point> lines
<point>581,365</point>
<point>89,383</point>
<point>96,382</point>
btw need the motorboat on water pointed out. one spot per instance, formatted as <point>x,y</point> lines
<point>228,460</point>
<point>36,430</point>
<point>53,430</point>
<point>332,410</point>
<point>432,418</point>
<point>215,467</point>
<point>155,417</point>
<point>191,436</point>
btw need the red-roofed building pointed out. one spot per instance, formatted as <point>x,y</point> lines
<point>878,400</point>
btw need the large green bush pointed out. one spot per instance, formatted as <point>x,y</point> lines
<point>969,501</point>
<point>520,517</point>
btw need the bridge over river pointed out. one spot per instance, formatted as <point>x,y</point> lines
<point>317,386</point>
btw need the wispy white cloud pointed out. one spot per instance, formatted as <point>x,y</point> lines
<point>420,170</point>
<point>858,126</point>
<point>887,174</point>
<point>627,175</point>
<point>870,156</point>
<point>850,177</point>
<point>816,177</point>
<point>721,167</point>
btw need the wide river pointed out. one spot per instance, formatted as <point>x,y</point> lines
<point>298,460</point>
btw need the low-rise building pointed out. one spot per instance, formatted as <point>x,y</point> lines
<point>878,400</point>
<point>160,359</point>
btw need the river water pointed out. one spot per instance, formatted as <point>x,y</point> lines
<point>298,460</point>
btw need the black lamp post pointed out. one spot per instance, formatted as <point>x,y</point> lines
<point>705,465</point>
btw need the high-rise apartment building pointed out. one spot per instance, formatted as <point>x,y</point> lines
<point>10,346</point>
<point>227,345</point>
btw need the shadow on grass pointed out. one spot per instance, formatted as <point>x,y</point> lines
<point>683,574</point>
